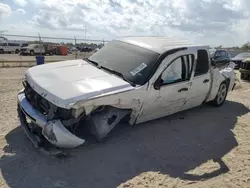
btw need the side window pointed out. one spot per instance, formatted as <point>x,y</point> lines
<point>228,55</point>
<point>202,65</point>
<point>4,44</point>
<point>218,54</point>
<point>13,44</point>
<point>179,70</point>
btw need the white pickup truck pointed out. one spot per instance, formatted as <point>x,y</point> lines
<point>136,79</point>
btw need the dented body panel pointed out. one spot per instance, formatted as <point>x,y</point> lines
<point>76,93</point>
<point>53,131</point>
<point>71,81</point>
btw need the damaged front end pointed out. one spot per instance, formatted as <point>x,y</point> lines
<point>44,122</point>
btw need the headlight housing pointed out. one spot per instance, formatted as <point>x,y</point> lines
<point>77,112</point>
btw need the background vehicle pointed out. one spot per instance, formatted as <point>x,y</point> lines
<point>136,78</point>
<point>85,49</point>
<point>238,58</point>
<point>245,69</point>
<point>222,57</point>
<point>50,49</point>
<point>33,49</point>
<point>7,47</point>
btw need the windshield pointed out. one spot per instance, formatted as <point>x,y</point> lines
<point>243,55</point>
<point>132,62</point>
<point>32,45</point>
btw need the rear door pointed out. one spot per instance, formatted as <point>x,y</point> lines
<point>200,83</point>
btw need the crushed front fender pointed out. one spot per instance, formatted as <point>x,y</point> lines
<point>54,131</point>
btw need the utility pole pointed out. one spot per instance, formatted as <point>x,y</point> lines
<point>85,30</point>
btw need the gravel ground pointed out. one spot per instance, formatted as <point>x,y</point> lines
<point>201,147</point>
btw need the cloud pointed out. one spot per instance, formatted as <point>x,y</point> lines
<point>21,11</point>
<point>209,21</point>
<point>5,10</point>
<point>21,3</point>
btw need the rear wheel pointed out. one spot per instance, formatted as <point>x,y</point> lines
<point>1,51</point>
<point>221,95</point>
<point>17,51</point>
<point>242,75</point>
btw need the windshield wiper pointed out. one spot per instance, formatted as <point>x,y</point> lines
<point>93,62</point>
<point>118,74</point>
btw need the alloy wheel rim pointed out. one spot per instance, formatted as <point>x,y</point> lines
<point>222,93</point>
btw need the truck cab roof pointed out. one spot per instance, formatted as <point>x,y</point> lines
<point>161,44</point>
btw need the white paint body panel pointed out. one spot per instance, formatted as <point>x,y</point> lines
<point>65,83</point>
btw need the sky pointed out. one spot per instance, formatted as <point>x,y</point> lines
<point>211,22</point>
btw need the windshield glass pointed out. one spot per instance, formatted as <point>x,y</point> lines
<point>32,45</point>
<point>243,55</point>
<point>132,62</point>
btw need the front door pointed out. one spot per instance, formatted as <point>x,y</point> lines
<point>171,96</point>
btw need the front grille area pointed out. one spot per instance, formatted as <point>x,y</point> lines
<point>245,66</point>
<point>43,105</point>
<point>36,101</point>
<point>238,63</point>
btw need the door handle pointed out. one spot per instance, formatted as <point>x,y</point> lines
<point>206,81</point>
<point>183,89</point>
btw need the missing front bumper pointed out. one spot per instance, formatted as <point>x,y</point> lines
<point>54,131</point>
<point>36,140</point>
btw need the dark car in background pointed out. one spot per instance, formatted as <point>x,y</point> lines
<point>239,58</point>
<point>220,56</point>
<point>86,49</point>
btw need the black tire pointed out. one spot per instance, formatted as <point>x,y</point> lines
<point>1,51</point>
<point>220,98</point>
<point>246,76</point>
<point>32,52</point>
<point>241,75</point>
<point>17,51</point>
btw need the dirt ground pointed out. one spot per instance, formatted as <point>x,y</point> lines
<point>201,147</point>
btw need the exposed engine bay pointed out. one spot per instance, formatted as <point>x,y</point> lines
<point>61,126</point>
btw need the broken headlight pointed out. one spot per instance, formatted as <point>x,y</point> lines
<point>77,112</point>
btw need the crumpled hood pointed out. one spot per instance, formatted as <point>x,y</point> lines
<point>67,82</point>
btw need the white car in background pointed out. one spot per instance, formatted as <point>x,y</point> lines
<point>9,47</point>
<point>33,49</point>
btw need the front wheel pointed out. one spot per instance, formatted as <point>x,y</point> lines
<point>221,95</point>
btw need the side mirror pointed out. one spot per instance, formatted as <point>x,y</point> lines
<point>158,83</point>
